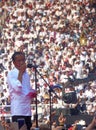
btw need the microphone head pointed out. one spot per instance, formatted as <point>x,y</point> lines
<point>32,66</point>
<point>29,65</point>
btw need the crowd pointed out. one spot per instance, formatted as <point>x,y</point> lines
<point>59,36</point>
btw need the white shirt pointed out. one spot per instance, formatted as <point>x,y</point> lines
<point>20,101</point>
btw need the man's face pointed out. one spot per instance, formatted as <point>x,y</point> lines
<point>19,61</point>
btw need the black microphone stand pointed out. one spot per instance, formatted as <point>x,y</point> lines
<point>36,115</point>
<point>50,91</point>
<point>50,94</point>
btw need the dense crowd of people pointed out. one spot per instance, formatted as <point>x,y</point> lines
<point>59,38</point>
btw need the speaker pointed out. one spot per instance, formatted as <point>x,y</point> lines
<point>74,111</point>
<point>69,97</point>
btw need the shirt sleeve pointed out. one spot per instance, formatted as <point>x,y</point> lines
<point>13,82</point>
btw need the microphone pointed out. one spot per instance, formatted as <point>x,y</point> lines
<point>32,66</point>
<point>30,61</point>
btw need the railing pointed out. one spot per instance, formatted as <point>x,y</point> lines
<point>5,110</point>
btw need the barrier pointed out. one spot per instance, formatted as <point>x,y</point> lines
<point>70,114</point>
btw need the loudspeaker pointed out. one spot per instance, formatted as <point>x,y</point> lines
<point>70,97</point>
<point>74,111</point>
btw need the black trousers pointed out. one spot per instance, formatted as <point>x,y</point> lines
<point>26,118</point>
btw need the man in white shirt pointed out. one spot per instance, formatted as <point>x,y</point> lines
<point>20,90</point>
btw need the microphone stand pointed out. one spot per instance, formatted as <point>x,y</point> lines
<point>50,91</point>
<point>35,67</point>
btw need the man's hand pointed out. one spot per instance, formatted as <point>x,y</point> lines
<point>22,69</point>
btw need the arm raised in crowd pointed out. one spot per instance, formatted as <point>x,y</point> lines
<point>92,124</point>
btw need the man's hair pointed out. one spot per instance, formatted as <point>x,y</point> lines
<point>17,53</point>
